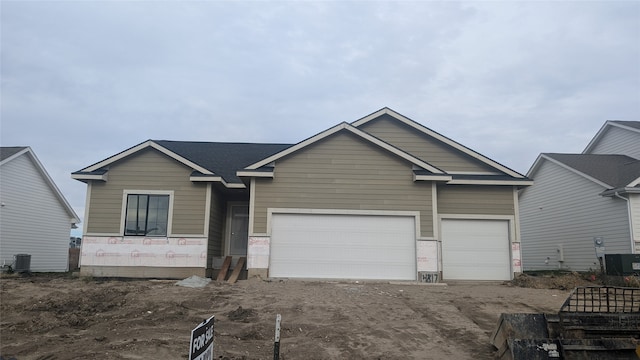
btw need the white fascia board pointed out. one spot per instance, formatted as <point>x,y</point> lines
<point>212,178</point>
<point>375,115</point>
<point>534,166</point>
<point>215,178</point>
<point>144,145</point>
<point>473,173</point>
<point>102,177</point>
<point>260,174</point>
<point>625,190</point>
<point>634,183</point>
<point>597,137</point>
<point>439,137</point>
<point>564,166</point>
<point>431,178</point>
<point>490,182</point>
<point>74,219</point>
<point>353,130</point>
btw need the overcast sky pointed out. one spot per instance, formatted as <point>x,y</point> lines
<point>84,80</point>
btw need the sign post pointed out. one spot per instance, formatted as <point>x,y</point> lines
<point>201,347</point>
<point>276,343</point>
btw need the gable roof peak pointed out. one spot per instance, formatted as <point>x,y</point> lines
<point>14,152</point>
<point>633,126</point>
<point>9,152</point>
<point>434,134</point>
<point>344,126</point>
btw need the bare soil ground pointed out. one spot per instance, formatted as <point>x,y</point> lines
<point>49,317</point>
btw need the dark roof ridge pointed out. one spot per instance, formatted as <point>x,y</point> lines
<point>218,142</point>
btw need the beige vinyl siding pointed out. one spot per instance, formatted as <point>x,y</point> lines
<point>343,172</point>
<point>216,225</point>
<point>423,146</point>
<point>475,200</point>
<point>147,170</point>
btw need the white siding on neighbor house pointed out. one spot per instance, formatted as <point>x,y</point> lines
<point>563,208</point>
<point>635,219</point>
<point>33,221</point>
<point>618,141</point>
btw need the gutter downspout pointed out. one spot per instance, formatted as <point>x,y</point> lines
<point>633,243</point>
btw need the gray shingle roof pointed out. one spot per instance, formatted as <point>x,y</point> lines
<point>223,159</point>
<point>614,170</point>
<point>8,151</point>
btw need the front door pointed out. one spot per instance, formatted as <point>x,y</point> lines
<point>239,229</point>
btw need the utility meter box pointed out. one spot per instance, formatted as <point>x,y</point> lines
<point>622,264</point>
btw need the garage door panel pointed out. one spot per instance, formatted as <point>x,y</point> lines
<point>475,249</point>
<point>342,246</point>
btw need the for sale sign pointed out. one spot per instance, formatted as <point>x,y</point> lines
<point>201,347</point>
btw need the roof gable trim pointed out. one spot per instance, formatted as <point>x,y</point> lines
<point>634,183</point>
<point>16,155</point>
<point>609,123</point>
<point>142,146</point>
<point>569,168</point>
<point>355,131</point>
<point>438,137</point>
<point>74,219</point>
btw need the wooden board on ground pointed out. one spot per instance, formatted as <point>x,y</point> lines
<point>236,270</point>
<point>225,268</point>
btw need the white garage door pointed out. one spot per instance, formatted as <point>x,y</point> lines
<point>476,250</point>
<point>343,247</point>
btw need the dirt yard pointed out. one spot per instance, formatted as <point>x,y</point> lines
<point>49,317</point>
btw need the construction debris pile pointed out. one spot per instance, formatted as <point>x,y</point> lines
<point>595,322</point>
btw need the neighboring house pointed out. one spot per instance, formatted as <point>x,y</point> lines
<point>585,202</point>
<point>35,218</point>
<point>381,198</point>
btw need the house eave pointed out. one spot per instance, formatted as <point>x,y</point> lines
<point>490,182</point>
<point>625,190</point>
<point>260,174</point>
<point>89,177</point>
<point>443,178</point>
<point>205,178</point>
<point>216,178</point>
